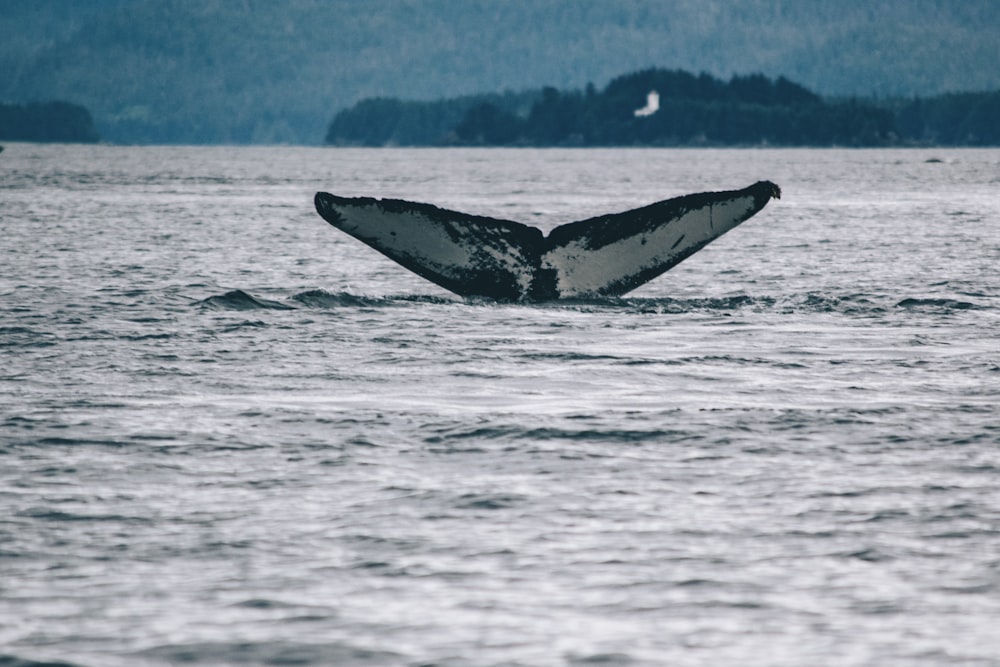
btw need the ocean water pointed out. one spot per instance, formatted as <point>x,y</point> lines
<point>232,435</point>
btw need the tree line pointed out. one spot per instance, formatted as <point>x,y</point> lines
<point>47,122</point>
<point>691,110</point>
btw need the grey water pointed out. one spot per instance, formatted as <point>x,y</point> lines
<point>232,435</point>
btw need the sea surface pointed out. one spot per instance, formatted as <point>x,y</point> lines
<point>232,435</point>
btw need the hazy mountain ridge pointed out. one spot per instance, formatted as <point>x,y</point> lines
<point>181,71</point>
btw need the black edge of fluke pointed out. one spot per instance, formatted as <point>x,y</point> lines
<point>772,191</point>
<point>324,202</point>
<point>608,255</point>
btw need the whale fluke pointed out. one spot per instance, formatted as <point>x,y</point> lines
<point>608,255</point>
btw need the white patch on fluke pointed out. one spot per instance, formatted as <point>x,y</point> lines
<point>583,272</point>
<point>407,234</point>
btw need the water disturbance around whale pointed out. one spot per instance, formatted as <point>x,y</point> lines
<point>607,255</point>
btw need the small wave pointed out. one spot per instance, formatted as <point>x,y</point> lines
<point>271,653</point>
<point>449,437</point>
<point>25,337</point>
<point>488,501</point>
<point>854,304</point>
<point>430,298</point>
<point>322,299</point>
<point>7,660</point>
<point>848,304</point>
<point>240,300</point>
<point>938,305</point>
<point>859,305</point>
<point>46,514</point>
<point>58,441</point>
<point>263,603</point>
<point>574,356</point>
<point>869,555</point>
<point>316,299</point>
<point>662,305</point>
<point>599,659</point>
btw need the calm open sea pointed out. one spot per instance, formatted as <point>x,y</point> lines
<point>232,435</point>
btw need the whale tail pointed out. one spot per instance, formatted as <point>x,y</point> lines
<point>607,255</point>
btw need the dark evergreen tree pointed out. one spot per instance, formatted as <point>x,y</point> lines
<point>488,124</point>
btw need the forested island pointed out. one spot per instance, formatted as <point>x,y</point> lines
<point>659,107</point>
<point>47,122</point>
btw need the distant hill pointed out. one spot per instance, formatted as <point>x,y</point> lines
<point>47,122</point>
<point>256,71</point>
<point>657,107</point>
<point>687,109</point>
